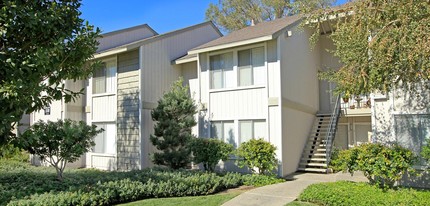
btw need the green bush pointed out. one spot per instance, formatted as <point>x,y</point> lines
<point>382,165</point>
<point>210,152</point>
<point>259,154</point>
<point>58,142</point>
<point>10,152</point>
<point>22,184</point>
<point>361,194</point>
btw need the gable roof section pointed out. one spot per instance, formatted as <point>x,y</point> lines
<point>136,44</point>
<point>124,36</point>
<point>261,32</point>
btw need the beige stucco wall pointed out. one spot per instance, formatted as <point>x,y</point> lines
<point>300,96</point>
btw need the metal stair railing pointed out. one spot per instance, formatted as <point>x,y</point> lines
<point>331,133</point>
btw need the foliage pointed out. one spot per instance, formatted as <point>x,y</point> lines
<point>174,119</point>
<point>382,45</point>
<point>10,152</point>
<point>25,184</point>
<point>336,160</point>
<point>42,43</point>
<point>210,152</point>
<point>231,15</point>
<point>258,180</point>
<point>425,153</point>
<point>361,194</point>
<point>382,165</point>
<point>59,142</point>
<point>257,153</point>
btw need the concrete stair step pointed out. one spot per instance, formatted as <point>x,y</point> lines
<point>314,164</point>
<point>312,170</point>
<point>314,159</point>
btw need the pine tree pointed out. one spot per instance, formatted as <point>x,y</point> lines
<point>174,117</point>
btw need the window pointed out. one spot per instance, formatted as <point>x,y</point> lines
<point>105,141</point>
<point>104,80</point>
<point>47,110</point>
<point>251,67</point>
<point>221,67</point>
<point>251,129</point>
<point>412,131</point>
<point>223,130</point>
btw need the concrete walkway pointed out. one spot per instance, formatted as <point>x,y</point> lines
<point>283,193</point>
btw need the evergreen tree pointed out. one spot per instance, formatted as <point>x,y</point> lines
<point>174,117</point>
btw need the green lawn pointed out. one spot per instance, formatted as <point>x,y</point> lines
<point>298,203</point>
<point>361,194</point>
<point>209,200</point>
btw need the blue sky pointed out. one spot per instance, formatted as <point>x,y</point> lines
<point>162,15</point>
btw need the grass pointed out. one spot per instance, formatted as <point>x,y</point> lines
<point>361,194</point>
<point>209,200</point>
<point>298,203</point>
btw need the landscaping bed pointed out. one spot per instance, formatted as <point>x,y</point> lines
<point>22,184</point>
<point>352,193</point>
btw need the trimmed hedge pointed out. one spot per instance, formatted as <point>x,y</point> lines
<point>361,194</point>
<point>21,184</point>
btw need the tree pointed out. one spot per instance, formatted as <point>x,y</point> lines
<point>210,152</point>
<point>58,142</point>
<point>382,44</point>
<point>174,117</point>
<point>41,43</point>
<point>257,153</point>
<point>231,15</point>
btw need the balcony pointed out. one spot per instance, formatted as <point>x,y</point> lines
<point>356,106</point>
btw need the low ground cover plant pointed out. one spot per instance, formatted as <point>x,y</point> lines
<point>362,194</point>
<point>22,184</point>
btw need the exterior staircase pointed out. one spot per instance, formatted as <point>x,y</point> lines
<point>317,152</point>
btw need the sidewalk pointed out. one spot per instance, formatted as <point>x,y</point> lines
<point>283,193</point>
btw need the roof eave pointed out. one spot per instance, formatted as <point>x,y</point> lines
<point>233,44</point>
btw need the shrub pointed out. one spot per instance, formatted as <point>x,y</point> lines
<point>361,194</point>
<point>425,153</point>
<point>259,154</point>
<point>382,165</point>
<point>210,152</point>
<point>174,118</point>
<point>59,142</point>
<point>258,180</point>
<point>10,152</point>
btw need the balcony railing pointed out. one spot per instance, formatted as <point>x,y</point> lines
<point>355,102</point>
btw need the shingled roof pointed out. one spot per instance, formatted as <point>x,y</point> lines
<point>263,29</point>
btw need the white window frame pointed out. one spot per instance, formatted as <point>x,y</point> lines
<point>251,65</point>
<point>235,68</point>
<point>113,59</point>
<point>115,141</point>
<point>222,132</point>
<point>252,128</point>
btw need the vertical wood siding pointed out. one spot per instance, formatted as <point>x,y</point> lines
<point>238,104</point>
<point>128,148</point>
<point>158,73</point>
